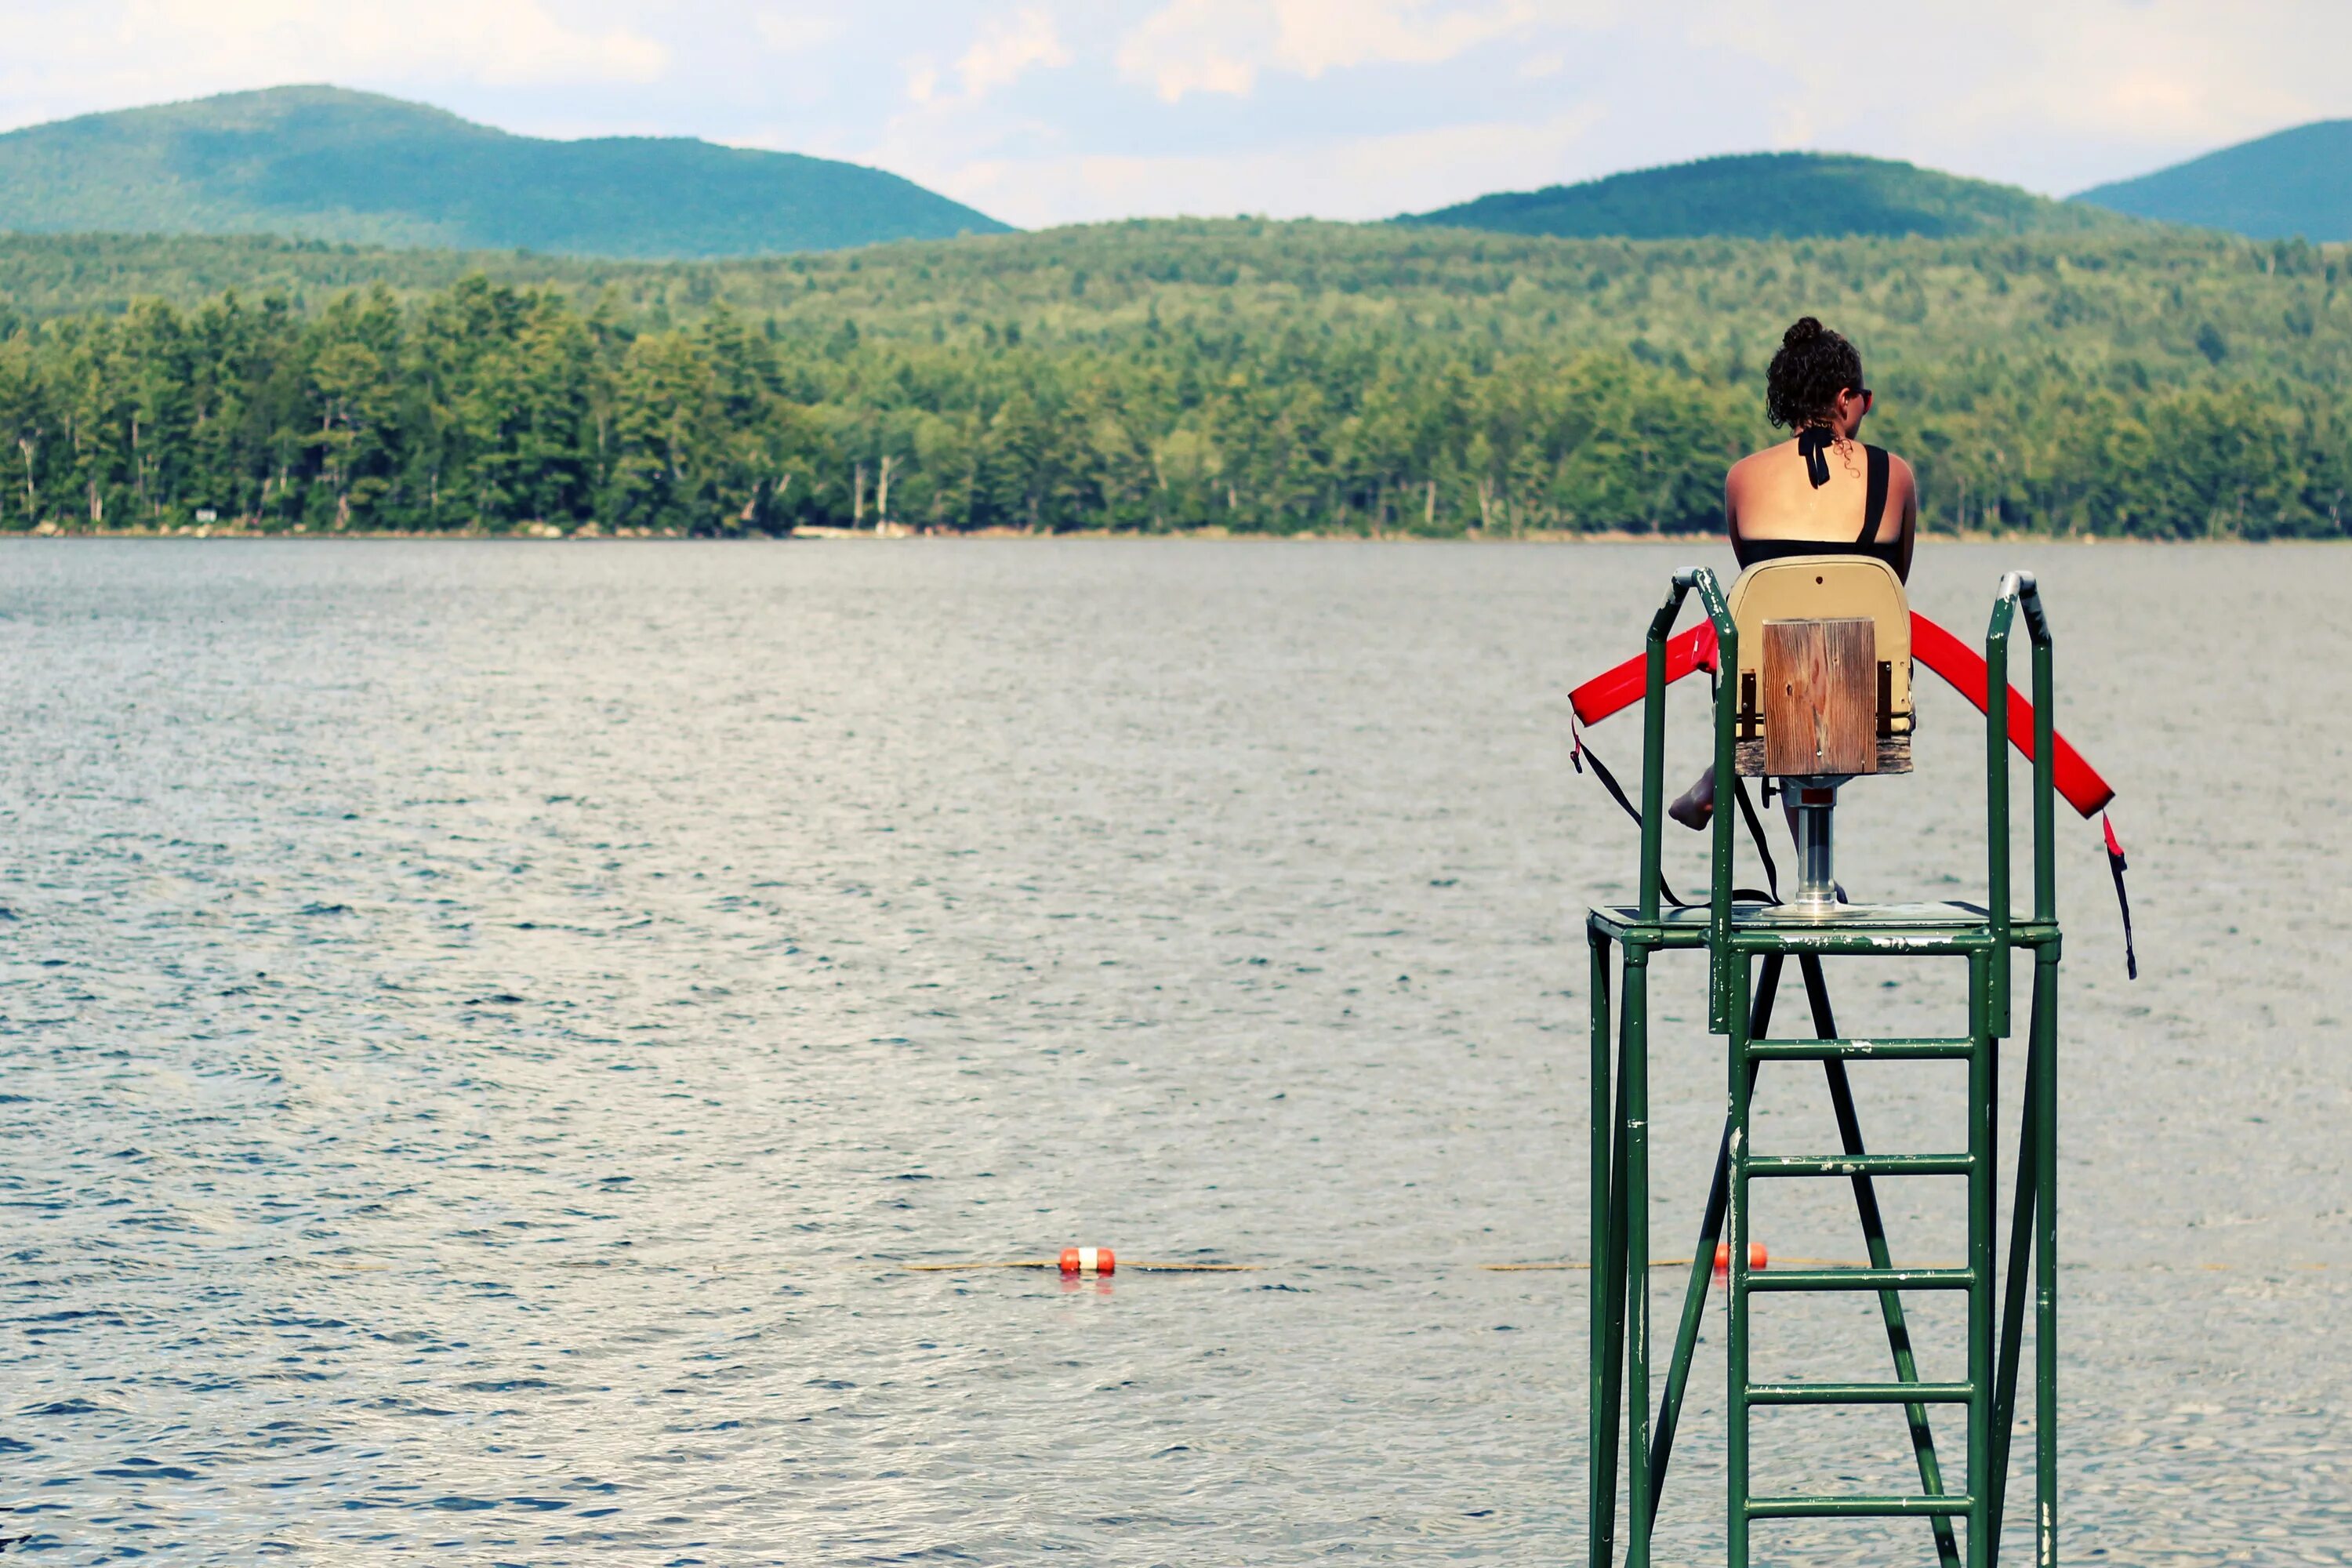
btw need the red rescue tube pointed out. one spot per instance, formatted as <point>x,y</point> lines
<point>1964,669</point>
<point>1622,686</point>
<point>1962,666</point>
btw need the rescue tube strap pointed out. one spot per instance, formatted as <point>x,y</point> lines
<point>1756,834</point>
<point>2117,867</point>
<point>1580,752</point>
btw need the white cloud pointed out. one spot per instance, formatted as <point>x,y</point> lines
<point>1009,47</point>
<point>1006,50</point>
<point>504,41</point>
<point>1364,177</point>
<point>1222,45</point>
<point>2050,96</point>
<point>796,31</point>
<point>108,54</point>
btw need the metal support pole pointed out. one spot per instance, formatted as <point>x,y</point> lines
<point>1816,825</point>
<point>2043,1034</point>
<point>2045,723</point>
<point>2046,1247</point>
<point>2021,1227</point>
<point>1996,737</point>
<point>1633,1075</point>
<point>1602,1458</point>
<point>1742,1105</point>
<point>1983,1156</point>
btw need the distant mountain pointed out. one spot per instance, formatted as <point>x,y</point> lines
<point>2297,181</point>
<point>1765,195</point>
<point>321,163</point>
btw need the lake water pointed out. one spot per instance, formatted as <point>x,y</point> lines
<point>485,1027</point>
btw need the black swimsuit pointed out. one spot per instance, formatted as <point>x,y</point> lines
<point>1748,552</point>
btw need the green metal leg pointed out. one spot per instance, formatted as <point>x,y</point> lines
<point>1873,1231</point>
<point>2023,1225</point>
<point>1634,1074</point>
<point>1601,1410</point>
<point>1702,1264</point>
<point>2013,1309</point>
<point>1743,1097</point>
<point>1982,1152</point>
<point>2045,1248</point>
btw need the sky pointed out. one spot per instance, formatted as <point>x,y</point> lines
<point>1049,111</point>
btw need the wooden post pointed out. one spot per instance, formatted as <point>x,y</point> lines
<point>1820,698</point>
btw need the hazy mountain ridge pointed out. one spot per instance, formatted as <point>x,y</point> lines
<point>2294,182</point>
<point>323,163</point>
<point>1773,196</point>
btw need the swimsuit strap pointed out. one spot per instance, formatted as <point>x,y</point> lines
<point>1874,506</point>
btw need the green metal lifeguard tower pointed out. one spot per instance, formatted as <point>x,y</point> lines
<point>1812,689</point>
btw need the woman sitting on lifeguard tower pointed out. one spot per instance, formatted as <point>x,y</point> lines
<point>1811,653</point>
<point>1822,492</point>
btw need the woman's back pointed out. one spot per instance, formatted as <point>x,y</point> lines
<point>1824,493</point>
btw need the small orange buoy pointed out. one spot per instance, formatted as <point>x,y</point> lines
<point>1088,1262</point>
<point>1757,1257</point>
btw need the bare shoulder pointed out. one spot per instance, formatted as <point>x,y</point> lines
<point>1902,484</point>
<point>1749,466</point>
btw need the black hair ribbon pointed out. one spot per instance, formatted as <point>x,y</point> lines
<point>1813,444</point>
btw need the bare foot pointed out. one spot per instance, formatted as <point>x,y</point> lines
<point>1695,807</point>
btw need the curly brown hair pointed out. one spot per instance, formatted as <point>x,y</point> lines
<point>1814,365</point>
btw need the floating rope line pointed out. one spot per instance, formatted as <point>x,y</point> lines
<point>1553,1265</point>
<point>1684,1263</point>
<point>1087,1260</point>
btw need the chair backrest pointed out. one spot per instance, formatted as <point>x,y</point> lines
<point>1824,676</point>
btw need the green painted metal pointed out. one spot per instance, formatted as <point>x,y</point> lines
<point>1600,1497</point>
<point>1860,1050</point>
<point>1634,1219</point>
<point>1856,1507</point>
<point>1861,1392</point>
<point>1859,1164</point>
<point>1738,938</point>
<point>2045,1260</point>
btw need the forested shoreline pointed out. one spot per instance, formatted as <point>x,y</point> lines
<point>1248,377</point>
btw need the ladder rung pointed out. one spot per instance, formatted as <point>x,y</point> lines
<point>1856,1507</point>
<point>1859,1164</point>
<point>1941,1050</point>
<point>1859,1279</point>
<point>1860,1394</point>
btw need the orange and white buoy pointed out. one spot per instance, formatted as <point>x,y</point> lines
<point>1088,1262</point>
<point>1757,1257</point>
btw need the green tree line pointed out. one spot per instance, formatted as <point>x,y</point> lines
<point>1248,376</point>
